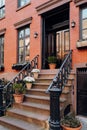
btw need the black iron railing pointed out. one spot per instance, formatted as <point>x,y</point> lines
<point>55,90</point>
<point>6,92</point>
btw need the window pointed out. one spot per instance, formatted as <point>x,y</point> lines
<point>22,2</point>
<point>1,50</point>
<point>2,8</point>
<point>84,23</point>
<point>23,44</point>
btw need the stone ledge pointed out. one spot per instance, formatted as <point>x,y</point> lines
<point>81,44</point>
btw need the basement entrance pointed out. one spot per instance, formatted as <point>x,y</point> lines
<point>82,91</point>
<point>55,35</point>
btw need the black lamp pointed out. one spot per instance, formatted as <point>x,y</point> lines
<point>35,35</point>
<point>73,24</point>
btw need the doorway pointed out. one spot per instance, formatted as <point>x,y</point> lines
<point>58,44</point>
<point>55,40</point>
<point>82,91</point>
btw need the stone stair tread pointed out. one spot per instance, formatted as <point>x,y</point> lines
<point>38,97</point>
<point>19,123</point>
<point>36,89</point>
<point>65,91</point>
<point>41,84</point>
<point>42,78</point>
<point>42,106</point>
<point>29,114</point>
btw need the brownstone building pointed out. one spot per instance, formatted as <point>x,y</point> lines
<point>45,27</point>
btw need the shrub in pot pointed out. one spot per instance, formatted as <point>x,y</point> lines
<point>52,62</point>
<point>19,91</point>
<point>69,122</point>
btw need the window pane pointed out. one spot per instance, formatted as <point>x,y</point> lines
<point>2,2</point>
<point>22,2</point>
<point>1,50</point>
<point>84,34</point>
<point>84,24</point>
<point>21,43</point>
<point>84,13</point>
<point>21,34</point>
<point>27,31</point>
<point>27,46</point>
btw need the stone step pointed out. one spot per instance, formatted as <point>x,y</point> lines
<point>17,124</point>
<point>46,75</point>
<point>39,92</point>
<point>33,107</point>
<point>37,99</point>
<point>51,71</point>
<point>44,80</point>
<point>28,116</point>
<point>41,85</point>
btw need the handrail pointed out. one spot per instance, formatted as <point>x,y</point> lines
<point>6,92</point>
<point>61,77</point>
<point>55,90</point>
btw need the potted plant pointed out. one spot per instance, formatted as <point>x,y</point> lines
<point>52,62</point>
<point>69,122</point>
<point>35,73</point>
<point>19,91</point>
<point>29,80</point>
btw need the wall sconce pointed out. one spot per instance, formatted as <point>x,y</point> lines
<point>35,35</point>
<point>73,24</point>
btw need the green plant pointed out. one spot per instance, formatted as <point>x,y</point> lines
<point>70,121</point>
<point>52,59</point>
<point>19,88</point>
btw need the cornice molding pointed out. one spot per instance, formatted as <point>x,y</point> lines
<point>2,31</point>
<point>51,4</point>
<point>80,2</point>
<point>23,22</point>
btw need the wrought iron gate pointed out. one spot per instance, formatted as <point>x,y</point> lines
<point>82,91</point>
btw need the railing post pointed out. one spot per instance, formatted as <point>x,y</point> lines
<point>1,100</point>
<point>54,122</point>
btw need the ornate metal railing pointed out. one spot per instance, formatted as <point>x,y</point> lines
<point>6,92</point>
<point>55,90</point>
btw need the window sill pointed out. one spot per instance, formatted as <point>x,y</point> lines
<point>19,66</point>
<point>19,8</point>
<point>1,68</point>
<point>81,44</point>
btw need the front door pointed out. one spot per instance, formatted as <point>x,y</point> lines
<point>82,91</point>
<point>62,44</point>
<point>57,44</point>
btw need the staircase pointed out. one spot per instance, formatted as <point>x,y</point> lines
<point>34,112</point>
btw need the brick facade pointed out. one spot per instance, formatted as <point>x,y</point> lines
<point>14,15</point>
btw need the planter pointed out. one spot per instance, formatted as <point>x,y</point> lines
<point>35,75</point>
<point>69,128</point>
<point>18,98</point>
<point>29,85</point>
<point>52,66</point>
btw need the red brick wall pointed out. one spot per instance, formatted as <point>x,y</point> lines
<point>13,16</point>
<point>79,55</point>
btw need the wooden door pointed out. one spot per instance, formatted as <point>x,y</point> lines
<point>62,44</point>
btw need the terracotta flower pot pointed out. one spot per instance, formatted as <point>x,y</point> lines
<point>18,98</point>
<point>68,128</point>
<point>29,85</point>
<point>35,75</point>
<point>52,66</point>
